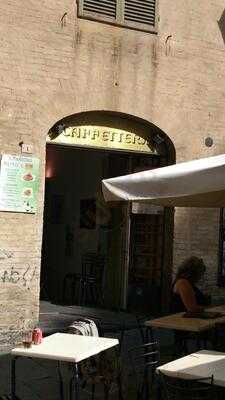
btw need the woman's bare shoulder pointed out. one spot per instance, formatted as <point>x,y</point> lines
<point>182,283</point>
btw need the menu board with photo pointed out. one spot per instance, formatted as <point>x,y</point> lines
<point>19,183</point>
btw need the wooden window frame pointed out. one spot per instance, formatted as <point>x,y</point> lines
<point>221,269</point>
<point>119,20</point>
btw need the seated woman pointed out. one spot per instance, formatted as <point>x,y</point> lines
<point>186,296</point>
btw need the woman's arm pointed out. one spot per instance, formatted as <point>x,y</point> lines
<point>187,294</point>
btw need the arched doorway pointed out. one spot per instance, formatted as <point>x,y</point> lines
<point>82,150</point>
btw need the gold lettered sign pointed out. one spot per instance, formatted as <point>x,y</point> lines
<point>101,137</point>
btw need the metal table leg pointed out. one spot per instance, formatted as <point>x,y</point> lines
<point>13,377</point>
<point>76,382</point>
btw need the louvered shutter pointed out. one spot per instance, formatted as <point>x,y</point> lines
<point>141,12</point>
<point>137,14</point>
<point>99,9</point>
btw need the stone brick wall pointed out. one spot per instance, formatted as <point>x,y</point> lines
<point>50,69</point>
<point>197,233</point>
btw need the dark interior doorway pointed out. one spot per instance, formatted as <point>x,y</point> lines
<point>123,244</point>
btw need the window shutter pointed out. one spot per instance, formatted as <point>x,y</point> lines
<point>136,14</point>
<point>100,8</point>
<point>140,12</point>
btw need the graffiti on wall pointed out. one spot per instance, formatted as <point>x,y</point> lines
<point>18,274</point>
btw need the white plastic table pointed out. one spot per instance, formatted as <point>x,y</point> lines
<point>201,364</point>
<point>62,347</point>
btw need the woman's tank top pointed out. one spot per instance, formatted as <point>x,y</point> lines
<point>177,304</point>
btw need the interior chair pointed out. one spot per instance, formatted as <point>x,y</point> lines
<point>71,288</point>
<point>91,280</point>
<point>144,361</point>
<point>172,388</point>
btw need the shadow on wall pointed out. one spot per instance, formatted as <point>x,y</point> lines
<point>221,24</point>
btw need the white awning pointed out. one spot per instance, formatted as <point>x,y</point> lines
<point>196,183</point>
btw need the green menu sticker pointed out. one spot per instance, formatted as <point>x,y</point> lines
<point>19,183</point>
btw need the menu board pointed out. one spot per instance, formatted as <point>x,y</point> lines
<point>19,183</point>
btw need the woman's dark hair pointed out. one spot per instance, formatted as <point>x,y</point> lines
<point>192,269</point>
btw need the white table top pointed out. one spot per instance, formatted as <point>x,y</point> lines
<point>201,364</point>
<point>67,347</point>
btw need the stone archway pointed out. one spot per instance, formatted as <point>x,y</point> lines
<point>136,134</point>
